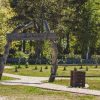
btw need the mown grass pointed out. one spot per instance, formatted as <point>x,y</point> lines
<point>92,71</point>
<point>7,78</point>
<point>94,83</point>
<point>25,91</point>
<point>30,71</point>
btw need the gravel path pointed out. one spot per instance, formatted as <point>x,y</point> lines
<point>8,67</point>
<point>38,82</point>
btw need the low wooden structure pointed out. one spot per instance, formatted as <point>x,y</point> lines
<point>77,79</point>
<point>17,34</point>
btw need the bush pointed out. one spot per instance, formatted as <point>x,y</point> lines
<point>96,58</point>
<point>73,59</point>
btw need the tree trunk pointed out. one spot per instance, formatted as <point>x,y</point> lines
<point>1,66</point>
<point>22,47</point>
<point>54,62</point>
<point>86,52</point>
<point>4,58</point>
<point>31,44</point>
<point>68,43</point>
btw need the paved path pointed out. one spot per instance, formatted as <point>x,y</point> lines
<point>7,66</point>
<point>38,82</point>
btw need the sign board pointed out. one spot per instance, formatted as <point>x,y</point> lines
<point>31,36</point>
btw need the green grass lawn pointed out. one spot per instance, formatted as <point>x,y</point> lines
<point>94,83</point>
<point>29,71</point>
<point>92,71</point>
<point>24,92</point>
<point>7,78</point>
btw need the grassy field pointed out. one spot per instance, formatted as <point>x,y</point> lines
<point>29,93</point>
<point>94,83</point>
<point>92,71</point>
<point>7,78</point>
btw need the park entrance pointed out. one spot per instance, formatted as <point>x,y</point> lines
<point>17,35</point>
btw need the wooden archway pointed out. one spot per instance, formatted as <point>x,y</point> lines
<point>13,36</point>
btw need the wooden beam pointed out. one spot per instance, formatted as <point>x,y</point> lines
<point>23,27</point>
<point>31,36</point>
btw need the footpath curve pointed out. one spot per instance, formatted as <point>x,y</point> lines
<point>38,82</point>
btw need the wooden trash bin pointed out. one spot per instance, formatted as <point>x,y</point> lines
<point>77,79</point>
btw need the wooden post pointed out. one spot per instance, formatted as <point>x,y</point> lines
<point>7,47</point>
<point>54,62</point>
<point>4,58</point>
<point>54,54</point>
<point>39,37</point>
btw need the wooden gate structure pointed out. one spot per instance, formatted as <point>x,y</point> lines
<point>16,34</point>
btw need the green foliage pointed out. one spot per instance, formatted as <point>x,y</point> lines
<point>73,56</point>
<point>87,28</point>
<point>75,22</point>
<point>5,14</point>
<point>47,49</point>
<point>21,54</point>
<point>96,58</point>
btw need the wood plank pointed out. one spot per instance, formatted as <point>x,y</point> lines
<point>31,36</point>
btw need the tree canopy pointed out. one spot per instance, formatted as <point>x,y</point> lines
<point>76,22</point>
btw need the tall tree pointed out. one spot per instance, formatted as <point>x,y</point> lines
<point>5,14</point>
<point>87,28</point>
